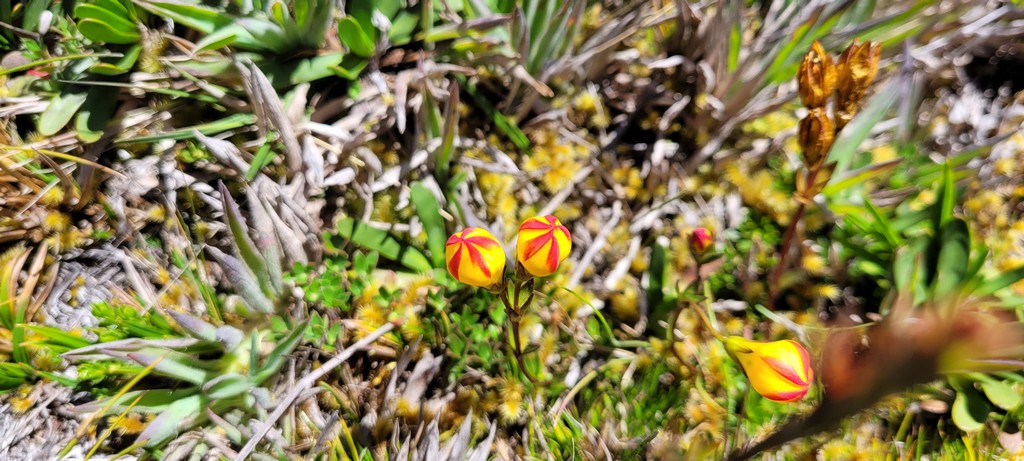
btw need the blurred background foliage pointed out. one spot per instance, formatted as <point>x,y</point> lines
<point>205,203</point>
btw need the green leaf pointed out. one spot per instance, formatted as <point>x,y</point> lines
<point>442,164</point>
<point>429,212</point>
<point>177,418</point>
<point>60,110</point>
<point>265,35</point>
<point>219,39</point>
<point>350,67</point>
<point>122,65</point>
<point>98,31</point>
<point>262,158</point>
<point>979,255</point>
<point>201,18</point>
<point>1003,280</point>
<point>172,364</point>
<point>244,281</point>
<point>942,209</point>
<point>227,386</point>
<point>402,28</point>
<point>13,375</point>
<point>850,139</point>
<point>906,265</point>
<point>114,6</point>
<point>856,179</point>
<point>316,68</point>
<point>735,45</point>
<point>882,224</point>
<point>953,258</point>
<point>96,112</point>
<point>504,124</point>
<point>354,38</point>
<point>276,359</point>
<point>969,410</point>
<point>380,241</point>
<point>1000,393</point>
<point>20,352</point>
<point>147,401</point>
<point>57,337</point>
<point>242,242</point>
<point>117,20</point>
<point>230,122</point>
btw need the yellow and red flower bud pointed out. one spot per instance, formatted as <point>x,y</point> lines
<point>700,241</point>
<point>778,370</point>
<point>475,257</point>
<point>543,244</point>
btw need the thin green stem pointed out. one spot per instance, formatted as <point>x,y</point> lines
<point>519,351</point>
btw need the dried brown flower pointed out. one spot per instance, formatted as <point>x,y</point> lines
<point>857,68</point>
<point>815,136</point>
<point>817,77</point>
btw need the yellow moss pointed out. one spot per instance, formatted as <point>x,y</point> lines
<point>45,360</point>
<point>826,290</point>
<point>22,401</point>
<point>72,238</point>
<point>883,153</point>
<point>923,199</point>
<point>813,263</point>
<point>130,424</point>
<point>586,101</point>
<point>56,221</point>
<point>371,315</point>
<point>632,183</point>
<point>53,197</point>
<point>625,303</point>
<point>156,213</point>
<point>412,327</point>
<point>640,263</point>
<point>384,208</point>
<point>499,194</point>
<point>734,326</point>
<point>510,404</point>
<point>554,161</point>
<point>757,191</point>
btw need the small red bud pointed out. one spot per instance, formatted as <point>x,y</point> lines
<point>700,241</point>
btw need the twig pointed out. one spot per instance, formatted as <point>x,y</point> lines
<point>305,384</point>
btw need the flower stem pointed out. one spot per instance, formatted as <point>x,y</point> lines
<point>787,241</point>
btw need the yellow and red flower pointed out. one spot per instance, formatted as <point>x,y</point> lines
<point>778,370</point>
<point>543,244</point>
<point>700,241</point>
<point>475,257</point>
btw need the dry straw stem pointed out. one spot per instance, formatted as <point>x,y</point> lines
<point>305,384</point>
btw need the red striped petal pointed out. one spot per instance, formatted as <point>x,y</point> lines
<point>535,224</point>
<point>537,243</point>
<point>553,253</point>
<point>478,260</point>
<point>482,241</point>
<point>785,370</point>
<point>453,264</point>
